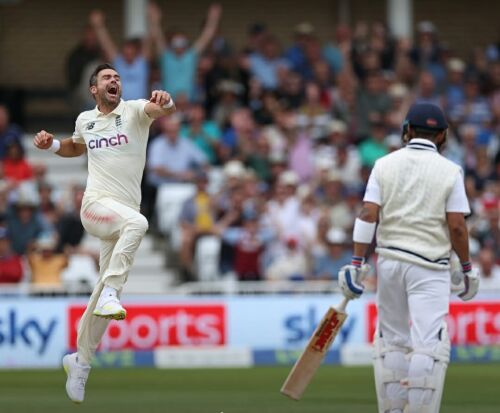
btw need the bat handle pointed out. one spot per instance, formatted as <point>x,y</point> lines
<point>343,304</point>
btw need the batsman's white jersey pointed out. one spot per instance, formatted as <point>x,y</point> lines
<point>116,146</point>
<point>415,187</point>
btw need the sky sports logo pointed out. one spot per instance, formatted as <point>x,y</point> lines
<point>117,140</point>
<point>149,326</point>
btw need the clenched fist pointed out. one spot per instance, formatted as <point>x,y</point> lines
<point>160,97</point>
<point>43,140</point>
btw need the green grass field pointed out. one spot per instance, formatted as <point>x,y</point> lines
<point>469,389</point>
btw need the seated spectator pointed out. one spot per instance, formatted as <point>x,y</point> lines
<point>327,265</point>
<point>426,92</point>
<point>454,92</point>
<point>15,166</point>
<point>171,158</point>
<point>46,264</point>
<point>11,266</point>
<point>9,133</point>
<point>265,63</point>
<point>290,265</point>
<point>489,271</point>
<point>249,242</point>
<point>228,102</point>
<point>178,59</point>
<point>132,62</point>
<point>47,206</point>
<point>239,137</point>
<point>24,222</point>
<point>205,134</point>
<point>474,109</point>
<point>334,203</point>
<point>197,219</point>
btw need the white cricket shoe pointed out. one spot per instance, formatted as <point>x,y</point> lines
<point>109,307</point>
<point>77,377</point>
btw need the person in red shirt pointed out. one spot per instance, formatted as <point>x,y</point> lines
<point>15,166</point>
<point>11,268</point>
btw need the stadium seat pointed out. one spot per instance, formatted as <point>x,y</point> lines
<point>169,203</point>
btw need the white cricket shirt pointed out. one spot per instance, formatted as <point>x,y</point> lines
<point>415,188</point>
<point>116,147</point>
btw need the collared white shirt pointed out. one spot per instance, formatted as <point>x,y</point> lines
<point>457,200</point>
<point>116,147</point>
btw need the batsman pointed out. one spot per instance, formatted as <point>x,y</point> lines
<point>418,199</point>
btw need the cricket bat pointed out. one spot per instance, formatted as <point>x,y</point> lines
<point>309,361</point>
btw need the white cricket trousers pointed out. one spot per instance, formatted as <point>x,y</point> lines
<point>120,229</point>
<point>412,305</point>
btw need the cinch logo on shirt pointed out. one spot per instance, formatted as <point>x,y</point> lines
<point>119,139</point>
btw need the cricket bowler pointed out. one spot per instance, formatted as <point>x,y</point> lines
<point>114,135</point>
<point>418,198</point>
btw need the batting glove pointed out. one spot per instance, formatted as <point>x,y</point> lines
<point>471,282</point>
<point>350,277</point>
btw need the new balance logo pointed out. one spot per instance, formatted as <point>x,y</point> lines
<point>119,139</point>
<point>90,126</point>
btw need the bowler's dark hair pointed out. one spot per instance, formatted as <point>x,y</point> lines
<point>101,67</point>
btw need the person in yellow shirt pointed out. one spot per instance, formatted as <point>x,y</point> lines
<point>46,265</point>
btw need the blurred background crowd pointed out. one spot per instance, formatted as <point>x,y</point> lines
<point>261,172</point>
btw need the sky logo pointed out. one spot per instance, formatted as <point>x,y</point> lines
<point>117,140</point>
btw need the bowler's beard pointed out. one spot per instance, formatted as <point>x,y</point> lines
<point>106,102</point>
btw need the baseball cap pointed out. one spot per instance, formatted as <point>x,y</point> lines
<point>427,116</point>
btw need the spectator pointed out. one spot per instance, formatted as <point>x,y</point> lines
<point>426,49</point>
<point>326,266</point>
<point>454,93</point>
<point>372,102</point>
<point>489,270</point>
<point>179,60</point>
<point>132,62</point>
<point>265,63</point>
<point>24,222</point>
<point>427,92</point>
<point>296,54</point>
<point>15,166</point>
<point>46,265</point>
<point>238,139</point>
<point>11,266</point>
<point>475,108</point>
<point>85,52</point>
<point>47,206</point>
<point>205,134</point>
<point>171,158</point>
<point>374,147</point>
<point>197,220</point>
<point>9,133</point>
<point>334,204</point>
<point>332,52</point>
<point>291,265</point>
<point>249,242</point>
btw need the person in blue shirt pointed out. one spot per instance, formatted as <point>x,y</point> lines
<point>179,59</point>
<point>132,61</point>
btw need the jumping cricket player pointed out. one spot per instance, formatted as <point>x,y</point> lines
<point>418,198</point>
<point>114,135</point>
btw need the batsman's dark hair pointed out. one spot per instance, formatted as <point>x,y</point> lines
<point>101,67</point>
<point>425,133</point>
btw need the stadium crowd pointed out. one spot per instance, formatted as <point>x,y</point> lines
<point>275,142</point>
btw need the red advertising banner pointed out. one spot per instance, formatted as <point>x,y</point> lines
<point>471,323</point>
<point>150,326</point>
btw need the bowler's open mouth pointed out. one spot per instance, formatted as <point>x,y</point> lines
<point>113,90</point>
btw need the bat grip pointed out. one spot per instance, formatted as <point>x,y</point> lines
<point>343,304</point>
